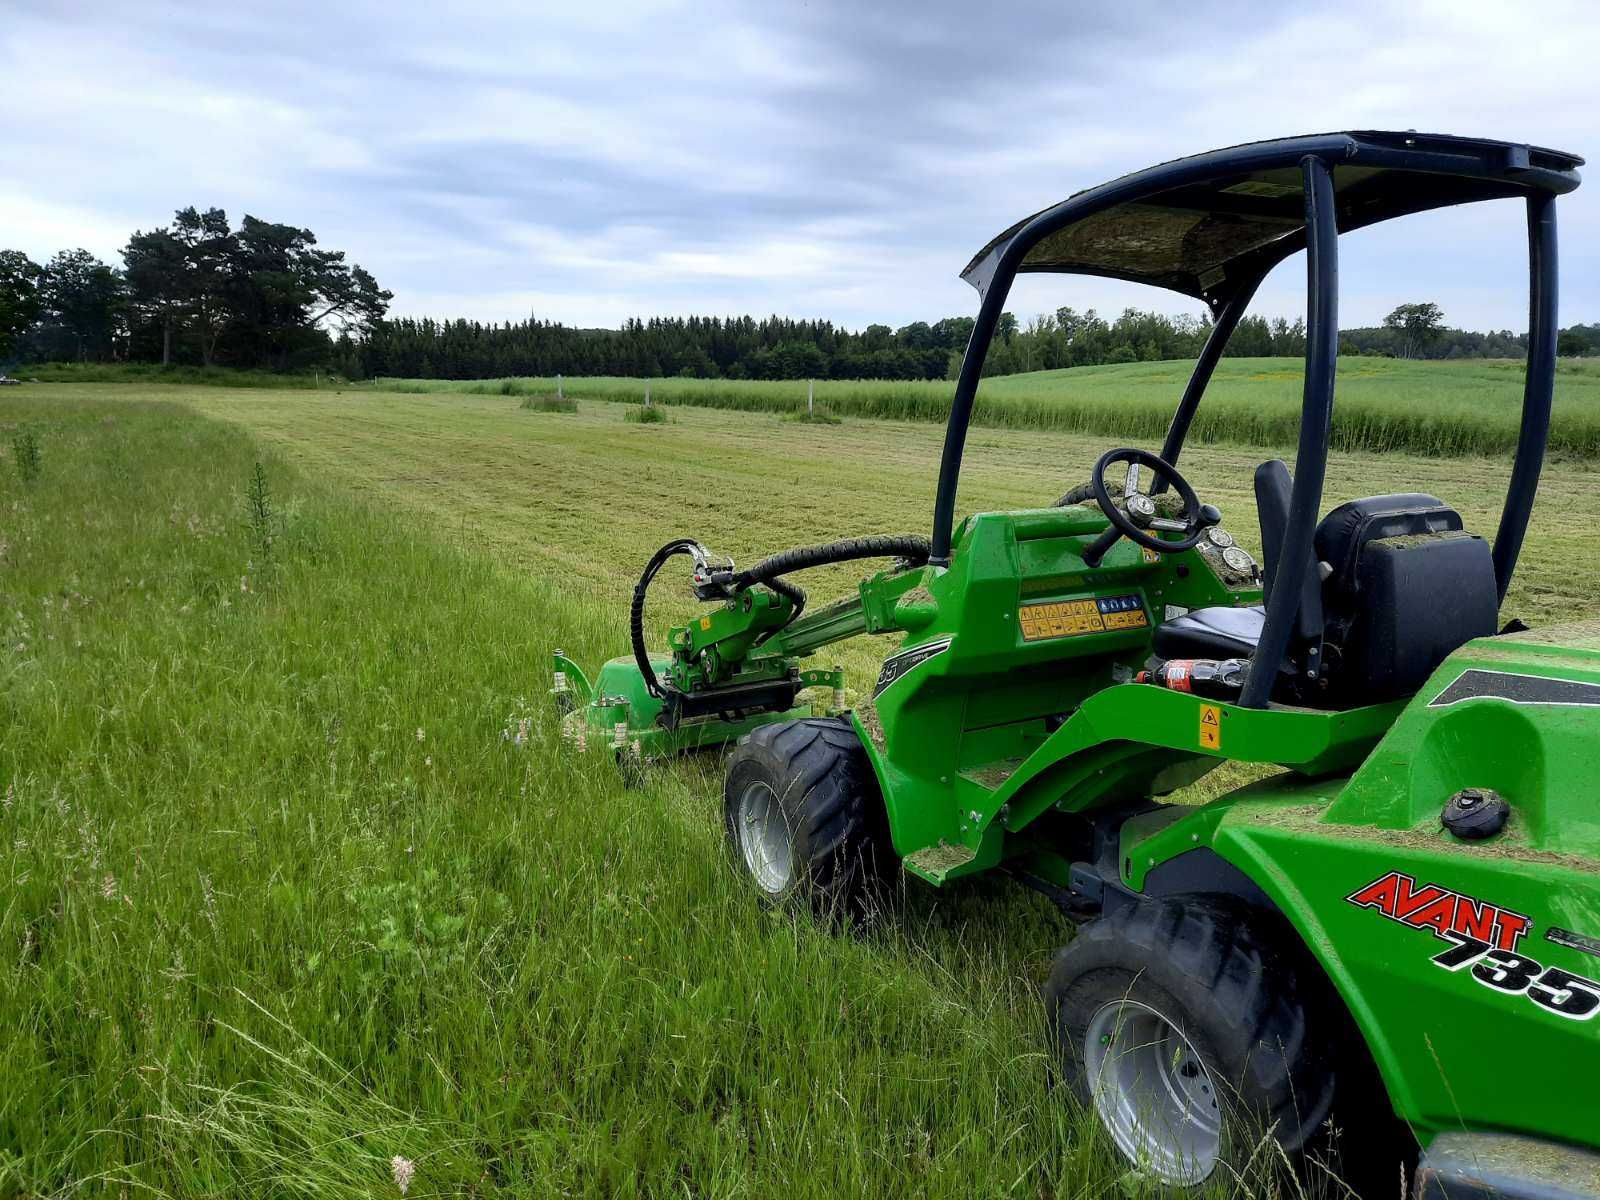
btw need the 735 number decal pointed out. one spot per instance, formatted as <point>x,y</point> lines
<point>1484,938</point>
<point>1551,988</point>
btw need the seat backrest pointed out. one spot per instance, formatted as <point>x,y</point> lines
<point>1273,491</point>
<point>1345,530</point>
<point>1273,488</point>
<point>1406,586</point>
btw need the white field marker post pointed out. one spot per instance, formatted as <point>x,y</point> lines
<point>811,397</point>
<point>559,396</point>
<point>647,395</point>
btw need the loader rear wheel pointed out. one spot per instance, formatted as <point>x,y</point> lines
<point>804,816</point>
<point>1187,1036</point>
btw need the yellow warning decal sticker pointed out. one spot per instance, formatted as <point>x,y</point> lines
<point>705,622</point>
<point>1060,618</point>
<point>1210,727</point>
<point>1073,618</point>
<point>1134,619</point>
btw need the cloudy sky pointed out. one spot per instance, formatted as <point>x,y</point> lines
<point>838,158</point>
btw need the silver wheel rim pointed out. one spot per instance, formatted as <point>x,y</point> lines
<point>764,838</point>
<point>1153,1092</point>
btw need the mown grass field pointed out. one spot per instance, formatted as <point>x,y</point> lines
<point>287,893</point>
<point>1470,406</point>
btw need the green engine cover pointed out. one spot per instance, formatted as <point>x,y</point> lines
<point>1472,967</point>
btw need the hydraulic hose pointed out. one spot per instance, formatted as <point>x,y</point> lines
<point>636,614</point>
<point>795,593</point>
<point>909,548</point>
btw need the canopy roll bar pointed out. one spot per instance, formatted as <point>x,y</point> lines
<point>1216,342</point>
<point>1316,421</point>
<point>1236,199</point>
<point>1537,390</point>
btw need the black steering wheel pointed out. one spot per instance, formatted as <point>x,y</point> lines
<point>1137,517</point>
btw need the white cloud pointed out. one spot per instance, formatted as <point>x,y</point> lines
<point>44,226</point>
<point>838,160</point>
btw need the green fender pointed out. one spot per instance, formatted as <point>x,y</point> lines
<point>1471,968</point>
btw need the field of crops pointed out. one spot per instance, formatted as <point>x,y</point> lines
<point>298,879</point>
<point>1424,408</point>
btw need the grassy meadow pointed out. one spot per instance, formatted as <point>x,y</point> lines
<point>1435,409</point>
<point>297,878</point>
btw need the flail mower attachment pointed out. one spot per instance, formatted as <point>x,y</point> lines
<point>732,669</point>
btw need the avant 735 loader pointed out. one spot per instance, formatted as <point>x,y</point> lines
<point>1408,910</point>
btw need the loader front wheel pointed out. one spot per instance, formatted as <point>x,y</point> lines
<point>804,816</point>
<point>1186,1035</point>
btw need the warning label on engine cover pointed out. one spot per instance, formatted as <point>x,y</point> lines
<point>1073,618</point>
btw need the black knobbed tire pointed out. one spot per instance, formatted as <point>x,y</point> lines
<point>1187,1035</point>
<point>805,819</point>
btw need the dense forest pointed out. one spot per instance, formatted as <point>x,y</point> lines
<point>777,348</point>
<point>267,296</point>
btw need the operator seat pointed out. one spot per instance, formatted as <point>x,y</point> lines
<point>1395,584</point>
<point>1220,632</point>
<point>1408,586</point>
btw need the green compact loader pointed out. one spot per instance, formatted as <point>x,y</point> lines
<point>1403,918</point>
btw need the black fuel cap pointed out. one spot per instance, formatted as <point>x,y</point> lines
<point>1475,813</point>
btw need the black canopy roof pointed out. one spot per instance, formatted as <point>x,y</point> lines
<point>1207,224</point>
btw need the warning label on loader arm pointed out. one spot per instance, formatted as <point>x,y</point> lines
<point>1210,727</point>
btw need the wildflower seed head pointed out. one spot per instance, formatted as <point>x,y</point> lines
<point>208,897</point>
<point>402,1169</point>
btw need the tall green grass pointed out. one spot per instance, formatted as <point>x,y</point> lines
<point>298,881</point>
<point>548,404</point>
<point>1439,409</point>
<point>155,373</point>
<point>1442,409</point>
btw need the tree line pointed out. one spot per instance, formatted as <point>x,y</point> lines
<point>704,347</point>
<point>779,348</point>
<point>263,295</point>
<point>266,295</point>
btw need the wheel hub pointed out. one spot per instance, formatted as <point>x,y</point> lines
<point>1153,1092</point>
<point>764,838</point>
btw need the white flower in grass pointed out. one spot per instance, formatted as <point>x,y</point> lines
<point>403,1169</point>
<point>420,735</point>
